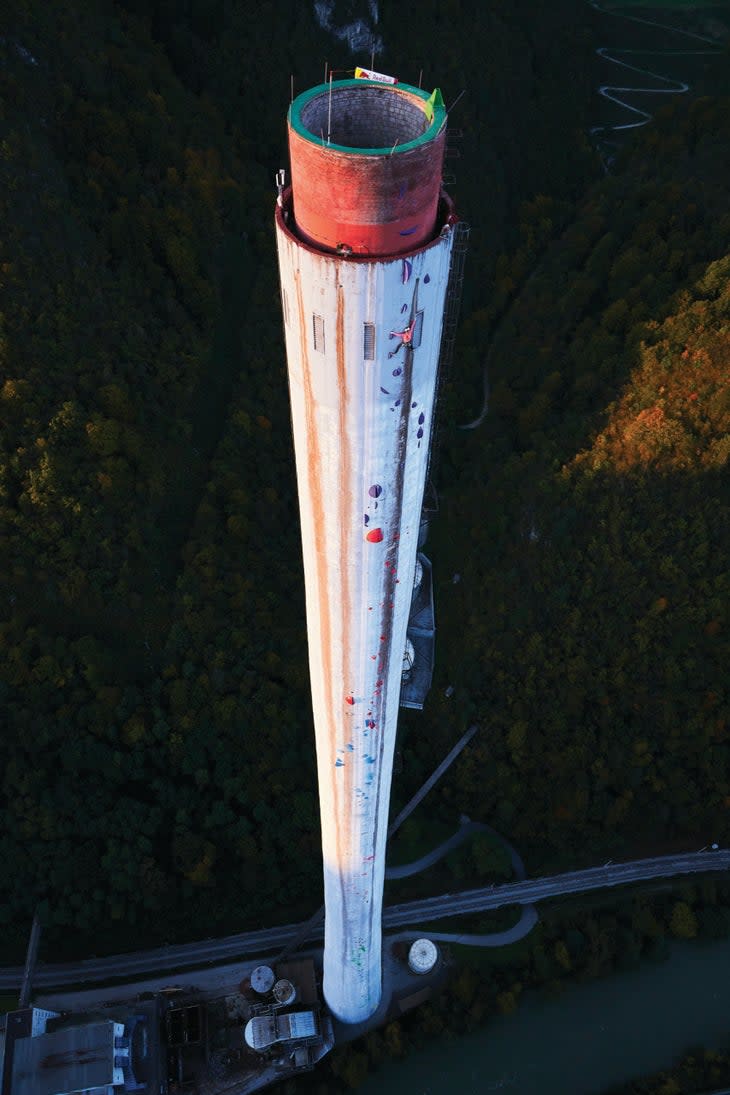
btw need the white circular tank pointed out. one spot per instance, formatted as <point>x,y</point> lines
<point>422,956</point>
<point>284,992</point>
<point>262,980</point>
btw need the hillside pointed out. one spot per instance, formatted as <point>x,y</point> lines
<point>153,678</point>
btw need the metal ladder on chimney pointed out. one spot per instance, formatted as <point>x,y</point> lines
<point>452,306</point>
<point>461,232</point>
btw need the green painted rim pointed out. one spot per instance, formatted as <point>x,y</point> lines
<point>439,115</point>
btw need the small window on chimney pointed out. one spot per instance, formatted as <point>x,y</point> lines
<point>368,341</point>
<point>318,332</point>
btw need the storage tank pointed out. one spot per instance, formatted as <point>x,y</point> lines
<point>262,980</point>
<point>423,956</point>
<point>284,992</point>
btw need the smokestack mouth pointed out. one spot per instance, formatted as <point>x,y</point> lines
<point>364,118</point>
<point>366,166</point>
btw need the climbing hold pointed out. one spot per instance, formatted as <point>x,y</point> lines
<point>350,700</point>
<point>419,433</point>
<point>426,279</point>
<point>366,517</point>
<point>397,372</point>
<point>375,491</point>
<point>407,266</point>
<point>339,763</point>
<point>421,419</point>
<point>374,536</point>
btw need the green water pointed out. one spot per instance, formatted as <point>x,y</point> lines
<point>592,1037</point>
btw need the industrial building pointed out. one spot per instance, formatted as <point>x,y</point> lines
<point>175,1040</point>
<point>49,1053</point>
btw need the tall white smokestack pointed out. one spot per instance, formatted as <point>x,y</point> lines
<point>364,237</point>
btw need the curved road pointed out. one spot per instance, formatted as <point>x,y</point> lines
<point>466,829</point>
<point>539,889</point>
<point>265,941</point>
<point>527,921</point>
<point>528,915</point>
<point>309,928</point>
<point>485,394</point>
<point>615,93</point>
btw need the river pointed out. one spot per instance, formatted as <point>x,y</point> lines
<point>593,1036</point>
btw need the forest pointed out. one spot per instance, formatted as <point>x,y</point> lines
<point>575,942</point>
<point>694,1073</point>
<point>153,675</point>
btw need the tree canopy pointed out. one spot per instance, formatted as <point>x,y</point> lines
<point>159,779</point>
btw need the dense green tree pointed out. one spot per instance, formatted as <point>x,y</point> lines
<point>153,680</point>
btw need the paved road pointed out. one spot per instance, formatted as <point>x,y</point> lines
<point>617,93</point>
<point>466,829</point>
<point>405,870</point>
<point>528,916</point>
<point>312,928</point>
<point>532,890</point>
<point>267,940</point>
<point>525,924</point>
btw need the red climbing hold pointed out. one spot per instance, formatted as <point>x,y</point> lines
<point>349,699</point>
<point>374,536</point>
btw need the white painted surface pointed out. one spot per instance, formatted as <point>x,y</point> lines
<point>356,428</point>
<point>422,956</point>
